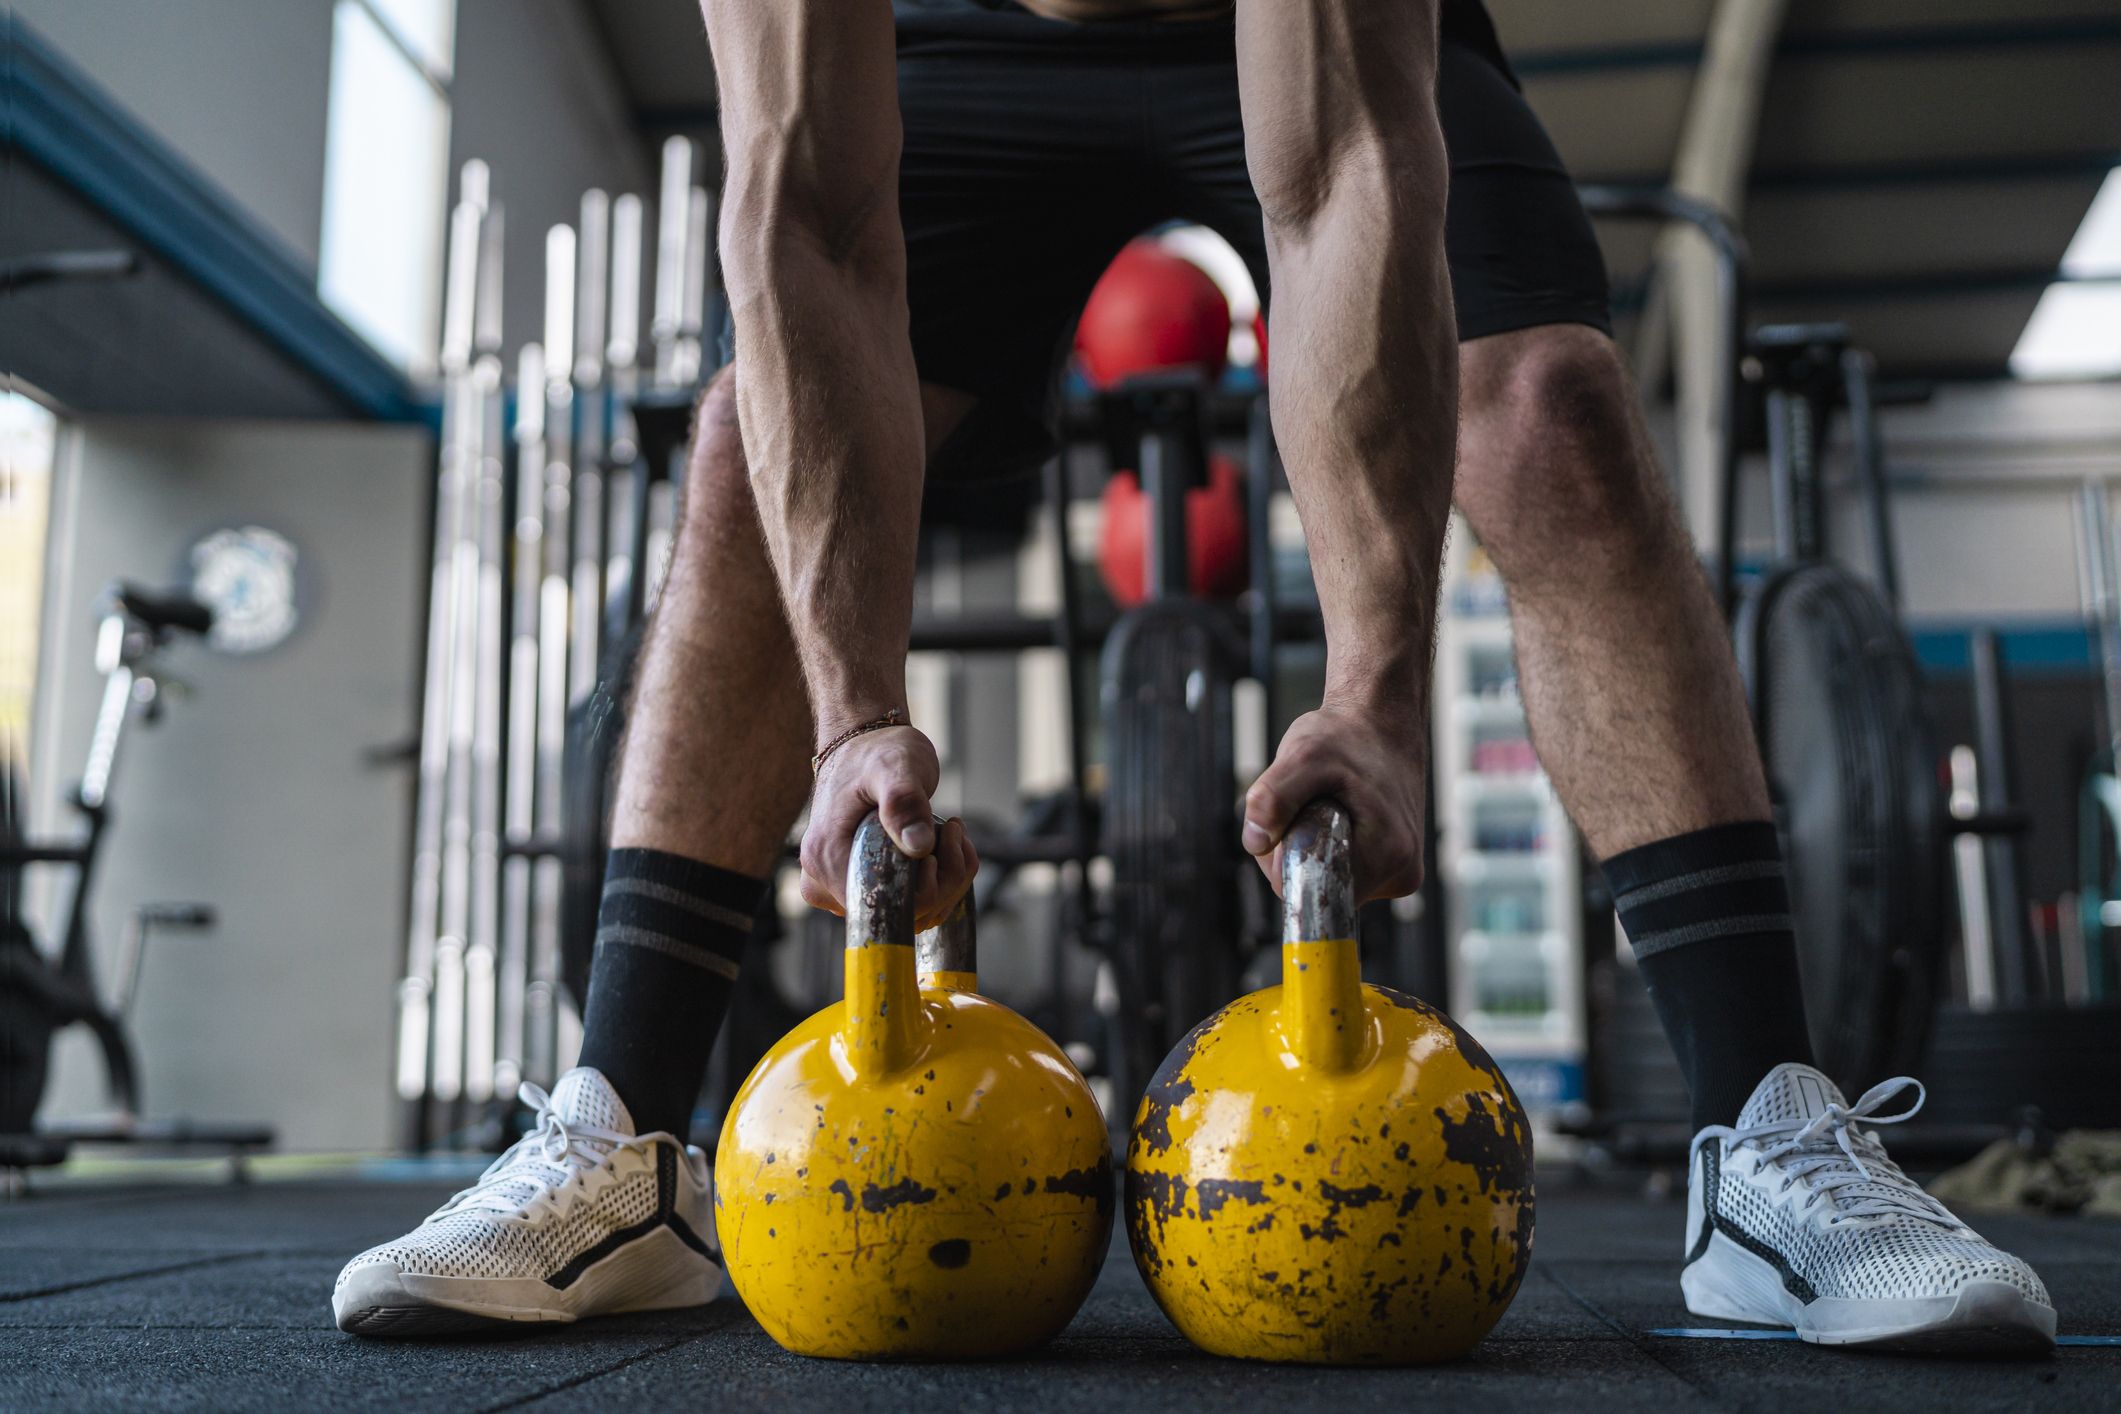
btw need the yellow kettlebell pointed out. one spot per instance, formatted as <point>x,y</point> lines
<point>1325,1171</point>
<point>916,1171</point>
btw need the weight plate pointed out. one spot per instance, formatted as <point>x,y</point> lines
<point>1170,829</point>
<point>1851,764</point>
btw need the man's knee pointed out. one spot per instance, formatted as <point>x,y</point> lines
<point>717,476</point>
<point>1552,440</point>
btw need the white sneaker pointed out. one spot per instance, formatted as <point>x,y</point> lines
<point>582,1217</point>
<point>1796,1217</point>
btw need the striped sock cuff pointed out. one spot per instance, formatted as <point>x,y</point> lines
<point>1725,881</point>
<point>692,912</point>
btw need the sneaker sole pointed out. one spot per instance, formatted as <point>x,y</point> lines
<point>1983,1318</point>
<point>656,1273</point>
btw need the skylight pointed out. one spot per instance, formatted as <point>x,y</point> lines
<point>2075,331</point>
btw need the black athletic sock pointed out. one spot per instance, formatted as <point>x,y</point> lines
<point>670,939</point>
<point>1708,914</point>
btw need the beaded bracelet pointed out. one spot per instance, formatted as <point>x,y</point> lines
<point>892,718</point>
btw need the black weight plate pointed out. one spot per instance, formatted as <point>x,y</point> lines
<point>1170,828</point>
<point>1852,767</point>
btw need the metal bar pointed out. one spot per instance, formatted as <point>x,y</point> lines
<point>1785,441</point>
<point>522,761</point>
<point>110,730</point>
<point>591,292</point>
<point>2003,853</point>
<point>1974,913</point>
<point>416,990</point>
<point>482,943</point>
<point>541,995</point>
<point>592,401</point>
<point>673,214</point>
<point>1067,636</point>
<point>1164,485</point>
<point>447,1081</point>
<point>1859,372</point>
<point>625,569</point>
<point>698,221</point>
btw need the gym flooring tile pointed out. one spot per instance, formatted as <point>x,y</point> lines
<point>217,1298</point>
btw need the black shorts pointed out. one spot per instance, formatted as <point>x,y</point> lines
<point>1035,149</point>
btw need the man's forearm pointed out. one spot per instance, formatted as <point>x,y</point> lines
<point>826,389</point>
<point>1352,179</point>
<point>1365,410</point>
<point>831,418</point>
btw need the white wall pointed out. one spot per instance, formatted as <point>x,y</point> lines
<point>237,86</point>
<point>1986,480</point>
<point>1984,505</point>
<point>253,794</point>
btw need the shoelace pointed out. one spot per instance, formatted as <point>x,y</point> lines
<point>568,1147</point>
<point>1830,1152</point>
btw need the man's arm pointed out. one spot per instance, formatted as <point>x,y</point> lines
<point>827,395</point>
<point>1346,152</point>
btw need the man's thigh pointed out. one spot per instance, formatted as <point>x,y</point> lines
<point>1019,181</point>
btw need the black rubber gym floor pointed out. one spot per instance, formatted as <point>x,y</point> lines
<point>193,1297</point>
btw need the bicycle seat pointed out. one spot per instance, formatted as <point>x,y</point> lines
<point>160,611</point>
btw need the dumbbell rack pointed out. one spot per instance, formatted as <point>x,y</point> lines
<point>1507,854</point>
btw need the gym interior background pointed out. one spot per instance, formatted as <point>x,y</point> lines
<point>327,922</point>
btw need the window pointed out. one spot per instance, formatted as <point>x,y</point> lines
<point>386,173</point>
<point>2075,331</point>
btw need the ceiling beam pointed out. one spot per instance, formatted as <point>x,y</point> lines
<point>1889,42</point>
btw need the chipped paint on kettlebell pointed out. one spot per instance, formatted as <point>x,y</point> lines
<point>1326,1171</point>
<point>942,1181</point>
<point>1380,1217</point>
<point>966,1222</point>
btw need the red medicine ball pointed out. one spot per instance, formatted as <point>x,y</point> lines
<point>1215,536</point>
<point>1152,310</point>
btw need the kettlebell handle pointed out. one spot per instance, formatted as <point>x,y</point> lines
<point>948,953</point>
<point>884,962</point>
<point>1318,874</point>
<point>879,889</point>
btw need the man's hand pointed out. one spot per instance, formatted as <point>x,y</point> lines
<point>892,772</point>
<point>1374,765</point>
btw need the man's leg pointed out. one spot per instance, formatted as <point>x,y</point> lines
<point>714,772</point>
<point>1633,696</point>
<point>1635,703</point>
<point>1624,661</point>
<point>711,776</point>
